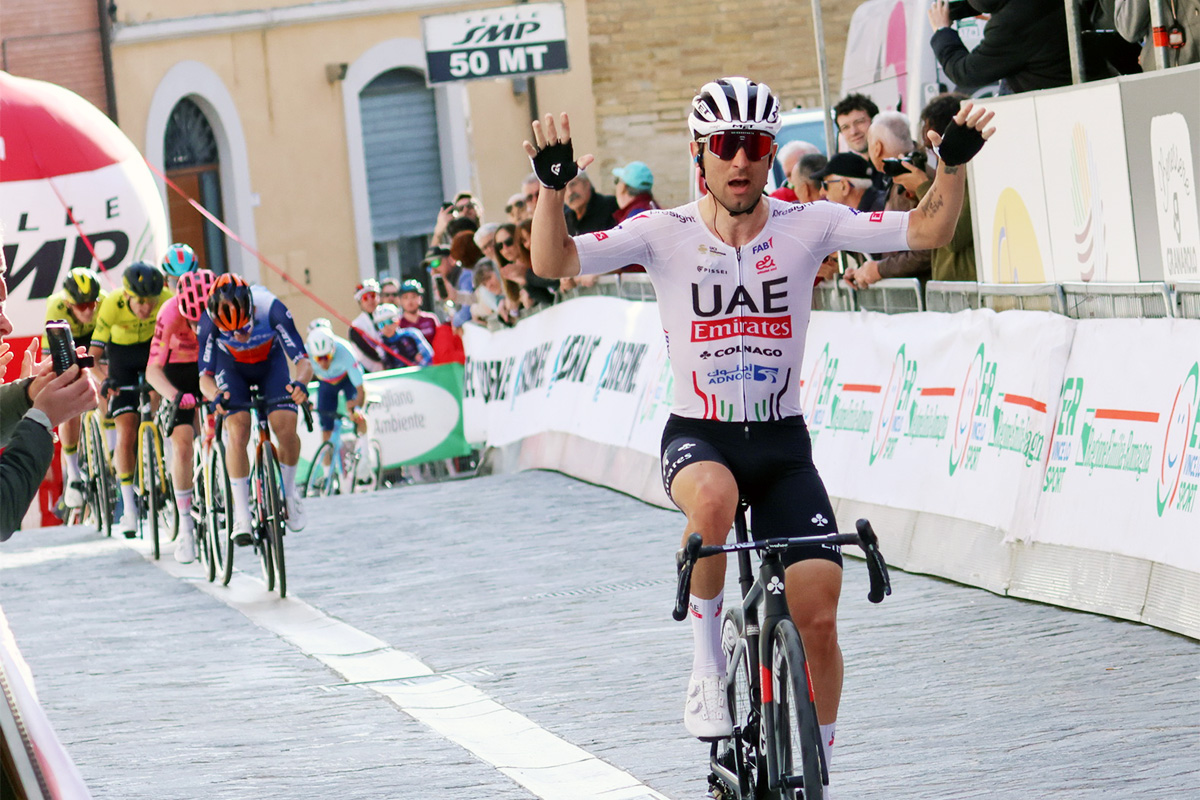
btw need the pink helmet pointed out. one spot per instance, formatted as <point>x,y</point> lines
<point>194,288</point>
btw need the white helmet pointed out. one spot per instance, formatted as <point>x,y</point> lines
<point>320,342</point>
<point>385,313</point>
<point>319,322</point>
<point>734,104</point>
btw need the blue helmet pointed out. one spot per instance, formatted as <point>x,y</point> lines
<point>180,259</point>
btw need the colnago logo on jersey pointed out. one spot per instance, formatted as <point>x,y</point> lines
<point>708,301</point>
<point>739,348</point>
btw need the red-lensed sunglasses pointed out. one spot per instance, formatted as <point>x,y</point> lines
<point>725,144</point>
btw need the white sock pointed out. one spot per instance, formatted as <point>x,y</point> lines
<point>241,497</point>
<point>72,460</point>
<point>129,498</point>
<point>111,435</point>
<point>289,479</point>
<point>827,736</point>
<point>183,502</point>
<point>707,658</point>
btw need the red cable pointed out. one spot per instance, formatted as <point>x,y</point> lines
<point>263,260</point>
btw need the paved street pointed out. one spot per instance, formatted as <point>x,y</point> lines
<point>547,602</point>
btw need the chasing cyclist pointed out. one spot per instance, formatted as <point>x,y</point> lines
<point>734,271</point>
<point>76,305</point>
<point>124,329</point>
<point>172,371</point>
<point>179,260</point>
<point>338,373</point>
<point>246,339</point>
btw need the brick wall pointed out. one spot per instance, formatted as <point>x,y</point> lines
<point>650,56</point>
<point>56,41</point>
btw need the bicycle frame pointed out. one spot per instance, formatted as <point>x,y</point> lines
<point>764,607</point>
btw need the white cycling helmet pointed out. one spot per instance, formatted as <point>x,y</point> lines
<point>385,313</point>
<point>320,342</point>
<point>734,104</point>
<point>319,322</point>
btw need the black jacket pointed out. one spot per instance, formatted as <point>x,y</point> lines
<point>1024,44</point>
<point>28,450</point>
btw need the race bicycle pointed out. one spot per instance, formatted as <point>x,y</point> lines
<point>155,493</point>
<point>775,751</point>
<point>337,467</point>
<point>268,511</point>
<point>97,476</point>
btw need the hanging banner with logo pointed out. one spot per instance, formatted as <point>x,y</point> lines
<point>940,413</point>
<point>593,367</point>
<point>1124,459</point>
<point>418,417</point>
<point>505,42</point>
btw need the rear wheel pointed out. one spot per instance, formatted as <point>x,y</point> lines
<point>148,481</point>
<point>320,474</point>
<point>262,531</point>
<point>797,734</point>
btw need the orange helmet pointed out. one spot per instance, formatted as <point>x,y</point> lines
<point>229,303</point>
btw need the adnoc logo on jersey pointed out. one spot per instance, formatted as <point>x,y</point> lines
<point>761,327</point>
<point>528,39</point>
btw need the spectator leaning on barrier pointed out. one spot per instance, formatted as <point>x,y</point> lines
<point>853,115</point>
<point>635,190</point>
<point>465,254</point>
<point>1132,20</point>
<point>846,180</point>
<point>1024,46</point>
<point>30,409</point>
<point>489,291</point>
<point>807,188</point>
<point>956,260</point>
<point>485,240</point>
<point>586,210</point>
<point>789,156</point>
<point>362,329</point>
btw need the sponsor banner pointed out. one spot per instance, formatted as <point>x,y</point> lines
<point>595,367</point>
<point>418,417</point>
<point>939,413</point>
<point>501,42</point>
<point>1123,465</point>
<point>117,207</point>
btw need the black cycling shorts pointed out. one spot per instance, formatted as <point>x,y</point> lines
<point>772,464</point>
<point>125,363</point>
<point>184,376</point>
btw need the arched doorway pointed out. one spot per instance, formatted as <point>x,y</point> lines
<point>193,164</point>
<point>404,168</point>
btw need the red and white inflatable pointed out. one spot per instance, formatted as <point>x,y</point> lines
<point>74,191</point>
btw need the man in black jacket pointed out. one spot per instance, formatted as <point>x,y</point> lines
<point>30,409</point>
<point>1024,46</point>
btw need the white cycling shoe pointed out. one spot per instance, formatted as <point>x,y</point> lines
<point>241,532</point>
<point>129,524</point>
<point>296,518</point>
<point>185,550</point>
<point>706,714</point>
<point>72,495</point>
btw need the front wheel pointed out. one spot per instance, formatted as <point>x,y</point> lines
<point>741,755</point>
<point>220,512</point>
<point>797,734</point>
<point>320,475</point>
<point>148,481</point>
<point>274,516</point>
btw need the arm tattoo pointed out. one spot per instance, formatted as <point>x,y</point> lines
<point>951,170</point>
<point>934,204</point>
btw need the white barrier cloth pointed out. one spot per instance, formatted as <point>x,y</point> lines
<point>1124,461</point>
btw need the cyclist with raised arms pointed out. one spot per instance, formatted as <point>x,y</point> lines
<point>733,273</point>
<point>338,373</point>
<point>172,371</point>
<point>124,328</point>
<point>178,261</point>
<point>246,339</point>
<point>76,305</point>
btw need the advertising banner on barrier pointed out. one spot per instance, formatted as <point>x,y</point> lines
<point>1124,460</point>
<point>418,417</point>
<point>946,414</point>
<point>593,367</point>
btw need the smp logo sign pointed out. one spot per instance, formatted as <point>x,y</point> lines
<point>504,42</point>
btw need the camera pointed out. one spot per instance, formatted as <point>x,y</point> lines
<point>61,345</point>
<point>898,166</point>
<point>961,9</point>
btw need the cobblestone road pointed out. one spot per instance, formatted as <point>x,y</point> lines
<point>553,598</point>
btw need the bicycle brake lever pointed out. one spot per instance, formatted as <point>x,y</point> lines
<point>881,584</point>
<point>685,559</point>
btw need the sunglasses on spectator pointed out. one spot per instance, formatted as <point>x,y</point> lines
<point>825,183</point>
<point>390,294</point>
<point>503,243</point>
<point>368,295</point>
<point>725,144</point>
<point>508,209</point>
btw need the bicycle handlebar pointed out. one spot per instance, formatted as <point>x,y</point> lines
<point>695,549</point>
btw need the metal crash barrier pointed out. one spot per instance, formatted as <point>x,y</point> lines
<point>951,296</point>
<point>891,296</point>
<point>1117,300</point>
<point>1024,296</point>
<point>1187,298</point>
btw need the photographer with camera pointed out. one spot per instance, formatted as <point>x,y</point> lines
<point>30,409</point>
<point>895,156</point>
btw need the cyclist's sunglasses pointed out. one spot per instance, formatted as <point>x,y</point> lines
<point>85,306</point>
<point>725,144</point>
